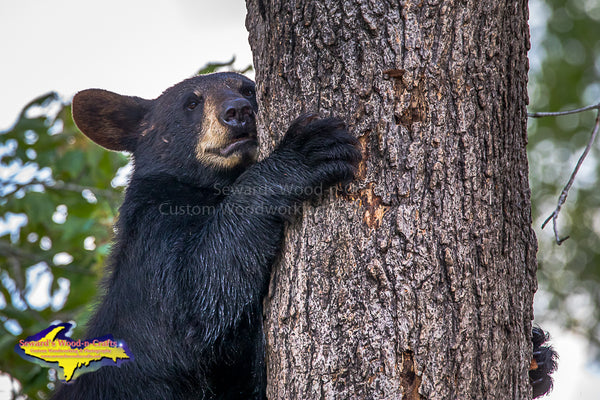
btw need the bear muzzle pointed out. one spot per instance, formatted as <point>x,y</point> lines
<point>237,113</point>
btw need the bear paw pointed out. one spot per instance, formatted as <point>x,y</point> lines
<point>543,363</point>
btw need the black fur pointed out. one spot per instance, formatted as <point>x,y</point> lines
<point>193,251</point>
<point>195,240</point>
<point>543,364</point>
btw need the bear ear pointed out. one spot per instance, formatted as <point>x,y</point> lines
<point>110,119</point>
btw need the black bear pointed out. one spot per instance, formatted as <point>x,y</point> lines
<point>543,363</point>
<point>199,228</point>
<point>197,233</point>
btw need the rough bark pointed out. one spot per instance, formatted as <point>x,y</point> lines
<point>419,283</point>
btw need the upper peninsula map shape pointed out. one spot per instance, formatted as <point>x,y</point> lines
<point>52,348</point>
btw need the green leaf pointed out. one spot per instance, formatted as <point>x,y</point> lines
<point>70,165</point>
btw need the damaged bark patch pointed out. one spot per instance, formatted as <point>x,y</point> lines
<point>364,150</point>
<point>374,207</point>
<point>394,73</point>
<point>410,381</point>
<point>410,101</point>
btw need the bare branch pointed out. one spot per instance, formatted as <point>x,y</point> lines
<point>9,250</point>
<point>108,193</point>
<point>113,195</point>
<point>563,196</point>
<point>559,113</point>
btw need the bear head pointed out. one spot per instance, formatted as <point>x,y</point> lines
<point>207,121</point>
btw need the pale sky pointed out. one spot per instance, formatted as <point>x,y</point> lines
<point>141,47</point>
<point>135,47</point>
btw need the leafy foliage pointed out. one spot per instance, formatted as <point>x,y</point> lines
<point>567,78</point>
<point>218,66</point>
<point>59,183</point>
<point>59,199</point>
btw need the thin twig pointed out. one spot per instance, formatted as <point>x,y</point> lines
<point>563,196</point>
<point>559,113</point>
<point>61,186</point>
<point>9,250</point>
<point>112,194</point>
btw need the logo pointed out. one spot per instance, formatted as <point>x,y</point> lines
<point>51,348</point>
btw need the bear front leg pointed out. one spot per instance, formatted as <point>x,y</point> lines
<point>230,268</point>
<point>244,235</point>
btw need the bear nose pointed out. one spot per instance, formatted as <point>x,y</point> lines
<point>236,112</point>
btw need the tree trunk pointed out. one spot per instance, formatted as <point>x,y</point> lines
<point>418,284</point>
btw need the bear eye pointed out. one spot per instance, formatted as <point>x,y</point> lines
<point>247,92</point>
<point>192,103</point>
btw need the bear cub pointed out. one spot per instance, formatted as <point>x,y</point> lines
<point>199,228</point>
